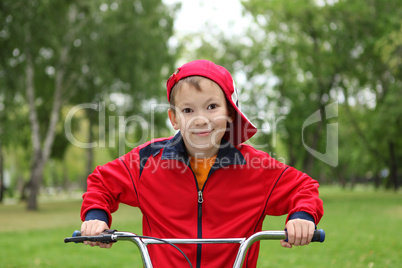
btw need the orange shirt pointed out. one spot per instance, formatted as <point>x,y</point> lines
<point>201,168</point>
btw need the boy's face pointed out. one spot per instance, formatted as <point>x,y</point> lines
<point>201,116</point>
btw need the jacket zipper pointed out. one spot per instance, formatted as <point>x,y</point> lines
<point>200,197</point>
<point>199,226</point>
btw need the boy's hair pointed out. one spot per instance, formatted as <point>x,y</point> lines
<point>192,80</point>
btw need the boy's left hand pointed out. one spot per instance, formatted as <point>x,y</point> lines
<point>300,232</point>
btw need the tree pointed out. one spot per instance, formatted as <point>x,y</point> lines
<point>315,65</point>
<point>126,55</point>
<point>82,41</point>
<point>10,91</point>
<point>322,53</point>
<point>370,80</point>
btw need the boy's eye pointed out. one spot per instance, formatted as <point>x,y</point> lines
<point>187,110</point>
<point>212,106</point>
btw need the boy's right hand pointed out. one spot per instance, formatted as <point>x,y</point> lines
<point>94,227</point>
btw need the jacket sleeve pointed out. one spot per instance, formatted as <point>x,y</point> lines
<point>108,186</point>
<point>295,193</point>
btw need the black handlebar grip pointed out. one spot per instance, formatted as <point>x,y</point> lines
<point>319,236</point>
<point>104,237</point>
<point>76,238</point>
<point>76,233</point>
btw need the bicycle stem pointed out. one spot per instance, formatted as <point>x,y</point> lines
<point>245,244</point>
<point>146,259</point>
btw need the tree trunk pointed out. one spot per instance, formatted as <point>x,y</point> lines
<point>90,155</point>
<point>65,184</point>
<point>35,182</point>
<point>309,160</point>
<point>24,186</point>
<point>35,126</point>
<point>342,181</point>
<point>291,151</point>
<point>393,166</point>
<point>377,181</point>
<point>41,153</point>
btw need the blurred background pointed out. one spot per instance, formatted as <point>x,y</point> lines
<point>83,82</point>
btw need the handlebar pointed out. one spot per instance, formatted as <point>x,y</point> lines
<point>111,236</point>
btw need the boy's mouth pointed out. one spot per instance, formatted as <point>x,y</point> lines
<point>202,133</point>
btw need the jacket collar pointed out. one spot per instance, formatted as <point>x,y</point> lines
<point>227,153</point>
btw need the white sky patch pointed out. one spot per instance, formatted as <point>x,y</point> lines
<point>225,15</point>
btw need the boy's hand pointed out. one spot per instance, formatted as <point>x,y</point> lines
<point>94,227</point>
<point>300,232</point>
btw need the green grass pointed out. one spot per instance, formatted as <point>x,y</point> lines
<point>362,230</point>
<point>35,239</point>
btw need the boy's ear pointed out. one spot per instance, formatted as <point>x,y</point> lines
<point>231,115</point>
<point>230,118</point>
<point>173,119</point>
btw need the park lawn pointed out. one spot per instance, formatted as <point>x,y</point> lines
<point>35,239</point>
<point>362,230</point>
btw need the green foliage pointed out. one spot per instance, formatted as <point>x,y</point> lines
<point>296,58</point>
<point>90,50</point>
<point>299,57</point>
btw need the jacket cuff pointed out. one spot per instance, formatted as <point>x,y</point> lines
<point>98,214</point>
<point>301,215</point>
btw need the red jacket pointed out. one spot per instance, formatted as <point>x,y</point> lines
<point>243,186</point>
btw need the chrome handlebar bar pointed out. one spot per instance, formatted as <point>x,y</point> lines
<point>111,236</point>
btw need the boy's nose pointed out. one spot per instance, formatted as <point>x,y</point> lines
<point>200,120</point>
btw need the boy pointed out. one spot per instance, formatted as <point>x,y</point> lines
<point>203,182</point>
